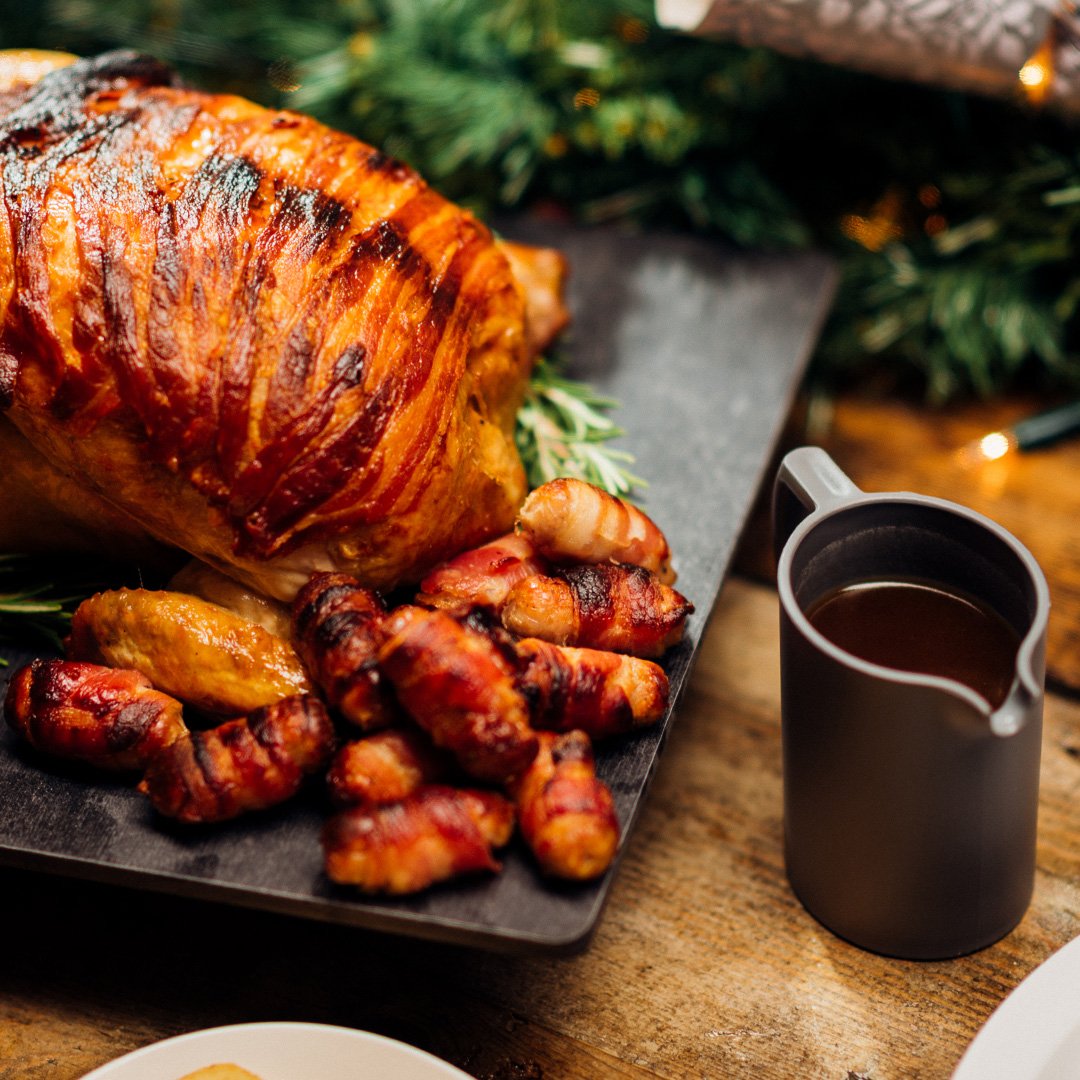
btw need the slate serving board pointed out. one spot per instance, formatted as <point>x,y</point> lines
<point>704,348</point>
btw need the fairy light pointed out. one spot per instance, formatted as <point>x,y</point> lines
<point>1033,74</point>
<point>930,196</point>
<point>995,445</point>
<point>631,29</point>
<point>881,227</point>
<point>935,224</point>
<point>1037,75</point>
<point>991,447</point>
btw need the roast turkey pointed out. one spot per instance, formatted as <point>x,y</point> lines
<point>235,331</point>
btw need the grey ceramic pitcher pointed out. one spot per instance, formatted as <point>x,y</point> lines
<point>910,804</point>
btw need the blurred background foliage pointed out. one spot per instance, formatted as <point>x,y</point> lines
<point>956,219</point>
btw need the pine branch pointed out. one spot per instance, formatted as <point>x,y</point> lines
<point>594,108</point>
<point>39,595</point>
<point>562,431</point>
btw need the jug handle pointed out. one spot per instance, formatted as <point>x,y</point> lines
<point>808,481</point>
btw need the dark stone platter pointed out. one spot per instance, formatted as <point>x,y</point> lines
<point>704,348</point>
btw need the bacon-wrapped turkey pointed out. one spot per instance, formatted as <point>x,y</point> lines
<point>259,339</point>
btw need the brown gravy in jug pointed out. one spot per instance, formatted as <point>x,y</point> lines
<point>922,627</point>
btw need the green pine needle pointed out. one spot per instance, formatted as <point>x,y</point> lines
<point>39,594</point>
<point>598,113</point>
<point>562,431</point>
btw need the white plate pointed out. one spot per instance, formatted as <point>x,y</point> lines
<point>1034,1034</point>
<point>281,1052</point>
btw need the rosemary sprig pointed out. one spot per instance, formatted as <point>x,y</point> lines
<point>38,597</point>
<point>562,431</point>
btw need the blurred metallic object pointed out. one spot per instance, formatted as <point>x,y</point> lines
<point>982,46</point>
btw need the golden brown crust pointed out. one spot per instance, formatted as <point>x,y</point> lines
<point>386,767</point>
<point>270,343</point>
<point>459,689</point>
<point>619,608</point>
<point>337,627</point>
<point>246,764</point>
<point>565,813</point>
<point>482,576</point>
<point>44,510</point>
<point>570,521</point>
<point>220,1072</point>
<point>189,648</point>
<point>542,273</point>
<point>402,847</point>
<point>598,692</point>
<point>196,578</point>
<point>111,719</point>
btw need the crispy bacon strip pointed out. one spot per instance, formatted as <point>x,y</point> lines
<point>600,693</point>
<point>621,608</point>
<point>565,813</point>
<point>189,648</point>
<point>403,847</point>
<point>246,764</point>
<point>483,576</point>
<point>571,521</point>
<point>111,719</point>
<point>337,627</point>
<point>269,343</point>
<point>458,688</point>
<point>385,767</point>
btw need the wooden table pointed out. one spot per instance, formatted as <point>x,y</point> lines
<point>704,964</point>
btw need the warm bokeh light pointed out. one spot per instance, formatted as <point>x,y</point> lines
<point>930,196</point>
<point>872,233</point>
<point>1037,75</point>
<point>881,226</point>
<point>556,144</point>
<point>1033,74</point>
<point>631,29</point>
<point>994,445</point>
<point>935,224</point>
<point>989,448</point>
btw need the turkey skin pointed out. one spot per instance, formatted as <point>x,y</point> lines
<point>235,331</point>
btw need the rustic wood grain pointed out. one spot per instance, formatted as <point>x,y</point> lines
<point>704,964</point>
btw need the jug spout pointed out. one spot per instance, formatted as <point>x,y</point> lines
<point>1025,697</point>
<point>1012,715</point>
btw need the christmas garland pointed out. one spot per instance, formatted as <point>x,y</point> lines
<point>956,219</point>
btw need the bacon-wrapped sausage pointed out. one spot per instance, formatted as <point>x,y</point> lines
<point>111,719</point>
<point>621,608</point>
<point>571,521</point>
<point>565,813</point>
<point>246,764</point>
<point>403,847</point>
<point>337,629</point>
<point>386,767</point>
<point>600,693</point>
<point>458,688</point>
<point>483,576</point>
<point>187,647</point>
